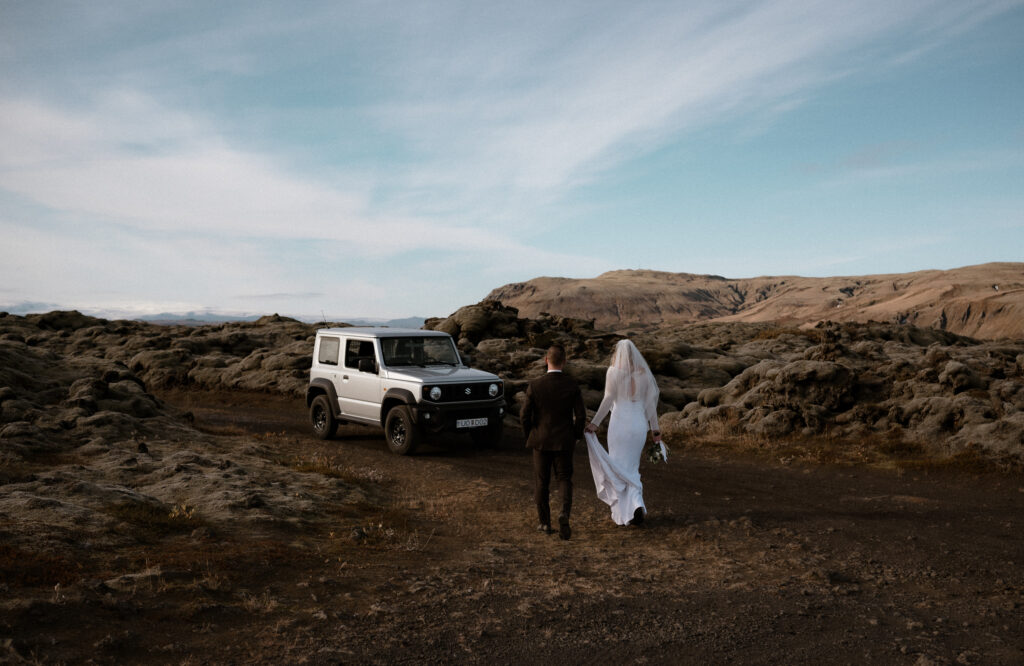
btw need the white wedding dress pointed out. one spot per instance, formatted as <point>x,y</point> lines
<point>631,395</point>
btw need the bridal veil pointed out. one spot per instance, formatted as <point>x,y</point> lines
<point>629,379</point>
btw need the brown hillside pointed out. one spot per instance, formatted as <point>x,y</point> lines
<point>984,301</point>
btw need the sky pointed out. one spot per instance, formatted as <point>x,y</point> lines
<point>395,159</point>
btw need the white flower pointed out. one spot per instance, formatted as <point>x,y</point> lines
<point>657,452</point>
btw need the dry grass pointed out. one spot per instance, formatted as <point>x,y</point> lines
<point>156,520</point>
<point>29,568</point>
<point>329,466</point>
<point>376,527</point>
<point>224,430</point>
<point>973,460</point>
<point>215,560</point>
<point>211,579</point>
<point>263,603</point>
<point>887,450</point>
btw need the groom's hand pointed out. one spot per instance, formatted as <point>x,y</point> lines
<point>590,427</point>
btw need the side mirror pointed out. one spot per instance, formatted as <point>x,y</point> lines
<point>466,360</point>
<point>368,365</point>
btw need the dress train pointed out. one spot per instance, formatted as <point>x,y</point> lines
<point>617,470</point>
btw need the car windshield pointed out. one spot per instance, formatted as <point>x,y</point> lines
<point>419,350</point>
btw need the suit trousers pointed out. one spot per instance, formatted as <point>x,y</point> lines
<point>543,464</point>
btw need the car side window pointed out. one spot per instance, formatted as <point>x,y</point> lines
<point>329,348</point>
<point>357,350</point>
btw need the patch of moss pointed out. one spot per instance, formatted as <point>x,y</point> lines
<point>772,333</point>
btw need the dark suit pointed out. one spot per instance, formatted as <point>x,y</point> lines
<point>553,418</point>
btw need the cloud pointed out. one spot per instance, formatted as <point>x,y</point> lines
<point>281,295</point>
<point>181,177</point>
<point>879,164</point>
<point>179,180</point>
<point>176,176</point>
<point>174,219</point>
<point>496,111</point>
<point>575,100</point>
<point>201,153</point>
<point>114,267</point>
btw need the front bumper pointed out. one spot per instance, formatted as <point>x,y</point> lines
<point>440,417</point>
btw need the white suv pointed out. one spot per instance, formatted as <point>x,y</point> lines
<point>409,381</point>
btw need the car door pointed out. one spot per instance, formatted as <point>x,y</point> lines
<point>359,392</point>
<point>328,361</point>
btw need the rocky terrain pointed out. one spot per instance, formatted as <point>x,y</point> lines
<point>161,500</point>
<point>985,301</point>
<point>271,354</point>
<point>888,386</point>
<point>895,386</point>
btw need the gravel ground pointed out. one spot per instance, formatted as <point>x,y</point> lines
<point>743,560</point>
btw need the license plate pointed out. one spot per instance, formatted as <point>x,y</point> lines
<point>471,423</point>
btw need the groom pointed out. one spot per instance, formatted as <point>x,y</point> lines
<point>553,418</point>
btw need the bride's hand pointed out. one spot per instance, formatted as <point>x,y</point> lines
<point>590,427</point>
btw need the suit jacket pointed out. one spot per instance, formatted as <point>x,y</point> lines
<point>553,415</point>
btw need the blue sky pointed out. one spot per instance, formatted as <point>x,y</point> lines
<point>388,159</point>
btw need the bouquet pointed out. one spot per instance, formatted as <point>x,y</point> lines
<point>657,452</point>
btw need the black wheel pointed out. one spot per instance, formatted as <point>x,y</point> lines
<point>400,432</point>
<point>320,414</point>
<point>488,436</point>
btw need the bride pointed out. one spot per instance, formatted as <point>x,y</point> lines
<point>631,394</point>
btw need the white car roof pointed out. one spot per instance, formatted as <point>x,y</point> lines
<point>381,332</point>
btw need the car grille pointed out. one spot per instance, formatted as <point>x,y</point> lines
<point>465,392</point>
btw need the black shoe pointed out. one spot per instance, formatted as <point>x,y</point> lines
<point>564,530</point>
<point>638,516</point>
<point>546,529</point>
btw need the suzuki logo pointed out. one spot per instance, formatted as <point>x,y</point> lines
<point>468,390</point>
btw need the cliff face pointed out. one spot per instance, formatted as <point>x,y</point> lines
<point>984,301</point>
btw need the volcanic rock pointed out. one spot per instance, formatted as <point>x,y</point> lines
<point>943,391</point>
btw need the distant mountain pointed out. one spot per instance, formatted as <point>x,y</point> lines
<point>984,301</point>
<point>203,318</point>
<point>407,322</point>
<point>193,318</point>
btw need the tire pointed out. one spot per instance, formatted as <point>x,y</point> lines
<point>489,436</point>
<point>322,418</point>
<point>400,432</point>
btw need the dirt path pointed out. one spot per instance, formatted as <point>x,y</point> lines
<point>742,561</point>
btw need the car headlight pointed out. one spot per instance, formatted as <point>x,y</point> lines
<point>435,393</point>
<point>493,390</point>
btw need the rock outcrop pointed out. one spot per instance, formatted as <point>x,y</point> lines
<point>848,381</point>
<point>944,392</point>
<point>271,354</point>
